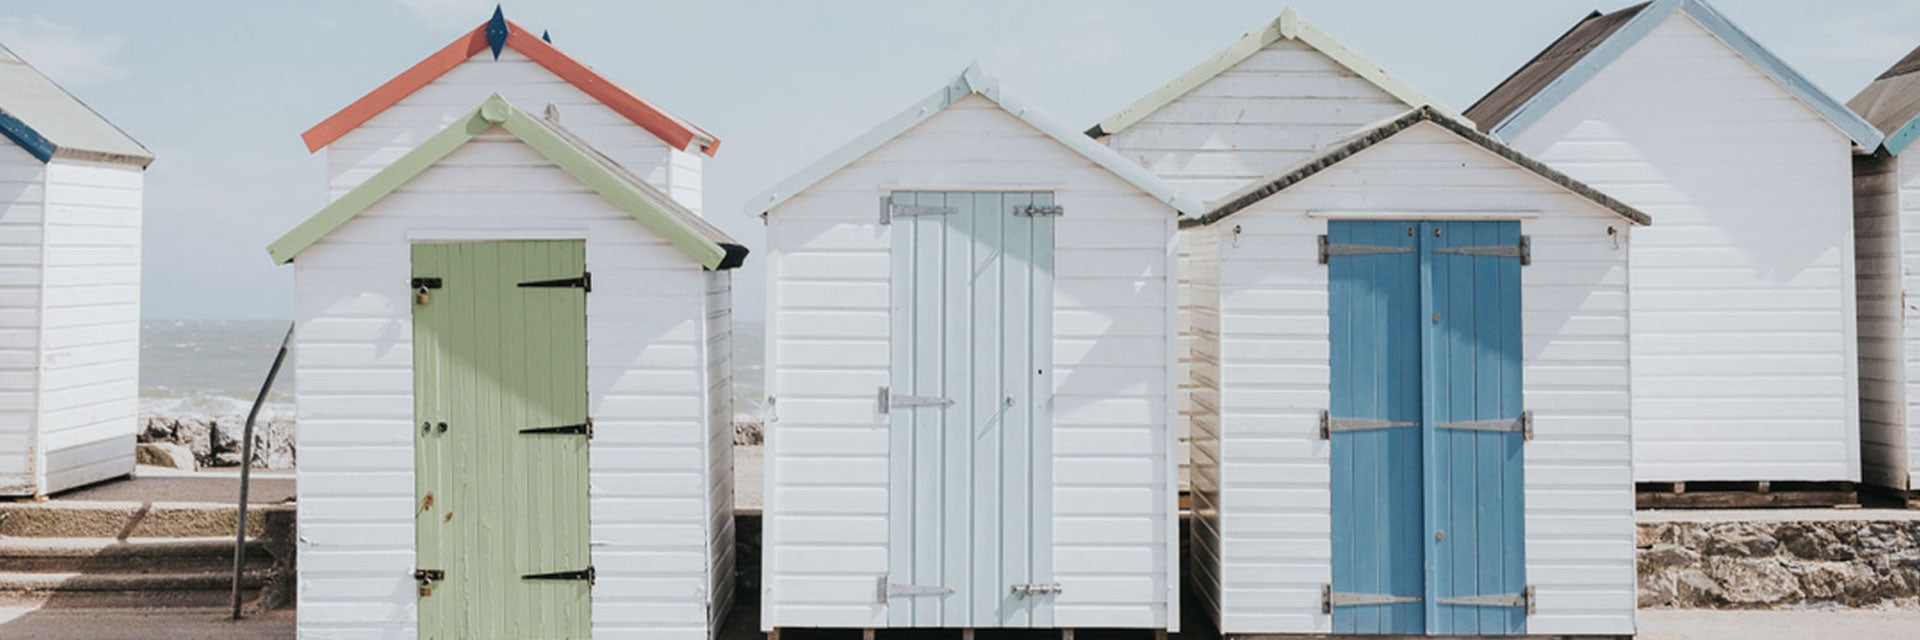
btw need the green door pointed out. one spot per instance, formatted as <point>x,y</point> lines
<point>500,439</point>
<point>970,408</point>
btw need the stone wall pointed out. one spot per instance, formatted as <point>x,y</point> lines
<point>1749,564</point>
<point>214,439</point>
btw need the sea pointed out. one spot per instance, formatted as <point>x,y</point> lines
<point>204,367</point>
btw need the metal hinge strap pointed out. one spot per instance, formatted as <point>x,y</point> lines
<point>1025,590</point>
<point>1039,210</point>
<point>582,429</point>
<point>586,574</point>
<point>1523,599</point>
<point>1522,424</point>
<point>1522,250</point>
<point>1330,425</point>
<point>584,282</point>
<point>889,590</point>
<point>889,210</point>
<point>1331,249</point>
<point>889,400</point>
<point>1330,599</point>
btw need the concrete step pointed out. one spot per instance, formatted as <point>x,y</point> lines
<point>201,581</point>
<point>213,600</point>
<point>136,555</point>
<point>79,519</point>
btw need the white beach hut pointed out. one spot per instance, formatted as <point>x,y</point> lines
<point>1744,346</point>
<point>1272,97</point>
<point>512,362</point>
<point>970,386</point>
<point>1422,378</point>
<point>1886,188</point>
<point>70,208</point>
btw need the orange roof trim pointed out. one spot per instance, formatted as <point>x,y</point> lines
<point>674,131</point>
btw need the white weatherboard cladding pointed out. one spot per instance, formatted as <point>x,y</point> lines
<point>826,540</point>
<point>379,141</point>
<point>1743,307</point>
<point>22,206</point>
<point>1253,119</point>
<point>1886,212</point>
<point>1200,291</point>
<point>721,544</point>
<point>1273,498</point>
<point>653,319</point>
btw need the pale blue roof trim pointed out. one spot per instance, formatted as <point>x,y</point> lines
<point>972,81</point>
<point>1835,112</point>
<point>1899,139</point>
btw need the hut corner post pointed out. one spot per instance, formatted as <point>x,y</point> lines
<point>246,465</point>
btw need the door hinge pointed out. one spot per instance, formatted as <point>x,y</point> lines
<point>586,574</point>
<point>1330,425</point>
<point>1330,599</point>
<point>1522,250</point>
<point>888,590</point>
<point>1027,590</point>
<point>582,429</point>
<point>1332,249</point>
<point>1522,424</point>
<point>1521,600</point>
<point>1039,210</point>
<point>583,283</point>
<point>889,210</point>
<point>889,401</point>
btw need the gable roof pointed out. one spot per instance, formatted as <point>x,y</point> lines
<point>1599,39</point>
<point>496,34</point>
<point>1356,142</point>
<point>972,81</point>
<point>681,227</point>
<point>50,123</point>
<point>1289,26</point>
<point>1892,103</point>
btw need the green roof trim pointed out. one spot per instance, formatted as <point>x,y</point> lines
<point>1289,26</point>
<point>646,204</point>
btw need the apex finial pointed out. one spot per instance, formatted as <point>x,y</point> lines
<point>547,38</point>
<point>497,31</point>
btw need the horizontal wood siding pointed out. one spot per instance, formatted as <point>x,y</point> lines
<point>23,196</point>
<point>827,454</point>
<point>90,337</point>
<point>1254,119</point>
<point>1909,220</point>
<point>1200,275</point>
<point>1274,379</point>
<point>360,153</point>
<point>647,390</point>
<point>1880,280</point>
<point>1743,307</point>
<point>719,362</point>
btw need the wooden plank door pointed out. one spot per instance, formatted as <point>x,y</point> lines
<point>1427,428</point>
<point>1374,424</point>
<point>500,440</point>
<point>1475,429</point>
<point>969,402</point>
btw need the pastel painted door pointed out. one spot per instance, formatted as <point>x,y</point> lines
<point>970,412</point>
<point>1427,428</point>
<point>500,440</point>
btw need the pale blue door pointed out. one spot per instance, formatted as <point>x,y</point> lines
<point>1427,427</point>
<point>970,411</point>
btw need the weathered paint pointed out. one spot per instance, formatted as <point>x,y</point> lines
<point>494,503</point>
<point>668,128</point>
<point>967,511</point>
<point>698,239</point>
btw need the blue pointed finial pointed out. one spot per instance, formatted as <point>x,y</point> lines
<point>547,38</point>
<point>497,31</point>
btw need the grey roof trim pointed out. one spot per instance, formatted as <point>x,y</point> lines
<point>52,123</point>
<point>1347,147</point>
<point>1835,113</point>
<point>1892,103</point>
<point>973,81</point>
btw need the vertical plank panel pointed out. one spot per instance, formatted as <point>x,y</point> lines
<point>1040,458</point>
<point>929,425</point>
<point>902,450</point>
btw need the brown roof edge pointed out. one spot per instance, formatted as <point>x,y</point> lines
<point>1547,65</point>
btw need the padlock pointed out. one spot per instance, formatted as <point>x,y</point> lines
<point>420,296</point>
<point>426,589</point>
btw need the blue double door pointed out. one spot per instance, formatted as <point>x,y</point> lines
<point>1427,428</point>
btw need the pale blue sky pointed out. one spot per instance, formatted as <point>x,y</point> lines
<point>220,91</point>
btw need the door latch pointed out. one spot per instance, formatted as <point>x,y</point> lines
<point>426,578</point>
<point>420,287</point>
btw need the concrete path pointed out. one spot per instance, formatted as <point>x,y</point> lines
<point>141,624</point>
<point>156,484</point>
<point>1696,624</point>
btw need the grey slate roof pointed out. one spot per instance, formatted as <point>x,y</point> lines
<point>50,123</point>
<point>1892,102</point>
<point>1537,73</point>
<point>1361,140</point>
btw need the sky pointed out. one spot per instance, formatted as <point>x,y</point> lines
<point>220,90</point>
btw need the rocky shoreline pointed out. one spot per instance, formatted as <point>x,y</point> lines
<point>212,440</point>
<point>1778,565</point>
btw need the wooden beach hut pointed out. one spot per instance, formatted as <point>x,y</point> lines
<point>970,378</point>
<point>1743,308</point>
<point>1422,423</point>
<point>512,362</point>
<point>1886,187</point>
<point>70,209</point>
